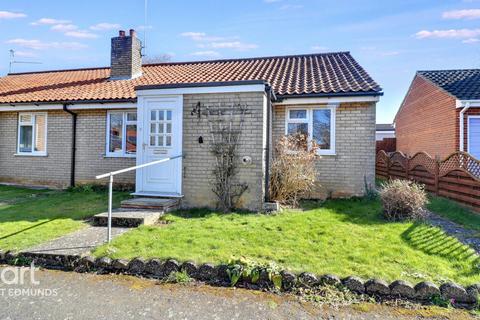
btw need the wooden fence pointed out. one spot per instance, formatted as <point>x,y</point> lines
<point>457,177</point>
<point>387,145</point>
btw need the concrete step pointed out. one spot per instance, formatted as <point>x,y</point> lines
<point>145,203</point>
<point>128,218</point>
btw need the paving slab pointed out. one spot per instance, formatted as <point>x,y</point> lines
<point>80,242</point>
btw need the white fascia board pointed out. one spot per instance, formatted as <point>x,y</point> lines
<point>203,89</point>
<point>463,103</point>
<point>78,106</point>
<point>327,100</point>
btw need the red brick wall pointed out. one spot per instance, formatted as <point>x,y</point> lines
<point>427,121</point>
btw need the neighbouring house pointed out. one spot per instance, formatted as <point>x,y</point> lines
<point>64,127</point>
<point>384,131</point>
<point>440,114</point>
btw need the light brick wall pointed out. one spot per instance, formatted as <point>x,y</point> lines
<point>54,169</point>
<point>198,164</point>
<point>342,174</point>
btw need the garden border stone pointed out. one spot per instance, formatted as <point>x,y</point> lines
<point>156,268</point>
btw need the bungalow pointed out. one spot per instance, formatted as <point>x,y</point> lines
<point>64,127</point>
<point>440,114</point>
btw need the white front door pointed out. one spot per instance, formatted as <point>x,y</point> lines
<point>162,138</point>
<point>474,136</point>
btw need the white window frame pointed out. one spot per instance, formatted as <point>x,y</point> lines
<point>468,129</point>
<point>32,123</point>
<point>123,153</point>
<point>309,121</point>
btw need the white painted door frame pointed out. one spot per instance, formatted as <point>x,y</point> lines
<point>147,153</point>
<point>469,118</point>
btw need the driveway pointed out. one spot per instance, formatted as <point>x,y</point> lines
<point>63,295</point>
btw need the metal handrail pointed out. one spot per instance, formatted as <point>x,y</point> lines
<point>110,186</point>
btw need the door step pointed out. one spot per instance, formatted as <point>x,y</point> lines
<point>158,204</point>
<point>128,218</point>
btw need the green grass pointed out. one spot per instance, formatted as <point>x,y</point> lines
<point>345,237</point>
<point>29,217</point>
<point>455,212</point>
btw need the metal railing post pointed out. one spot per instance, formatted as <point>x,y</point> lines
<point>110,200</point>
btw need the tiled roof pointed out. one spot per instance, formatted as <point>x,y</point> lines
<point>327,73</point>
<point>463,84</point>
<point>385,127</point>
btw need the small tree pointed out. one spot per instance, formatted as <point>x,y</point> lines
<point>293,174</point>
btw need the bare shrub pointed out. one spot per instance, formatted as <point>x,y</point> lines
<point>403,200</point>
<point>292,174</point>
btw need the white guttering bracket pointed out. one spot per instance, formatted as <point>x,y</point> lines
<point>79,106</point>
<point>462,130</point>
<point>327,100</point>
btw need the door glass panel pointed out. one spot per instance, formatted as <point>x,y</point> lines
<point>169,115</point>
<point>160,141</point>
<point>169,141</point>
<point>115,134</point>
<point>160,115</point>
<point>152,141</point>
<point>153,128</point>
<point>153,115</point>
<point>169,128</point>
<point>160,128</point>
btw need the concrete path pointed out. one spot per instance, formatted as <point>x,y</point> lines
<point>62,295</point>
<point>77,243</point>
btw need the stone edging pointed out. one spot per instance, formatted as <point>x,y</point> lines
<point>217,274</point>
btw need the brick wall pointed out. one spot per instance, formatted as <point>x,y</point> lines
<point>198,164</point>
<point>342,174</point>
<point>427,121</point>
<point>54,169</point>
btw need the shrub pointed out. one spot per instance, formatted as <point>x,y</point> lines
<point>292,174</point>
<point>403,200</point>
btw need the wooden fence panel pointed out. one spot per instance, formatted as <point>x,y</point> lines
<point>457,177</point>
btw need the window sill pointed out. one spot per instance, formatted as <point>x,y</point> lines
<point>326,154</point>
<point>120,156</point>
<point>30,155</point>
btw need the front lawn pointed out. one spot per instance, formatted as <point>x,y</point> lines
<point>29,217</point>
<point>344,237</point>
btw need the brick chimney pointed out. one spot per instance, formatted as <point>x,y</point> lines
<point>126,56</point>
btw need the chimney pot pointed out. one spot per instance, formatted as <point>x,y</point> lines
<point>133,33</point>
<point>121,33</point>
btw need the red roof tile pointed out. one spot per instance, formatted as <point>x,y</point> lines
<point>327,73</point>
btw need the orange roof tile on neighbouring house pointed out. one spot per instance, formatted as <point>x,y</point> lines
<point>312,74</point>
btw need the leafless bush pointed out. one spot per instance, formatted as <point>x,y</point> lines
<point>292,174</point>
<point>403,200</point>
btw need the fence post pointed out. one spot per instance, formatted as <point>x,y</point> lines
<point>437,173</point>
<point>407,167</point>
<point>388,167</point>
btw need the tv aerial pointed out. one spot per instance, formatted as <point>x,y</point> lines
<point>13,61</point>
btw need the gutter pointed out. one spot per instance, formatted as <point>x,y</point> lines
<point>334,94</point>
<point>462,130</point>
<point>74,143</point>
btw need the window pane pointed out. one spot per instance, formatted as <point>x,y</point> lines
<point>169,141</point>
<point>131,144</point>
<point>116,124</point>
<point>294,128</point>
<point>26,118</point>
<point>321,128</point>
<point>169,115</point>
<point>169,128</point>
<point>160,141</point>
<point>160,115</point>
<point>153,115</point>
<point>25,139</point>
<point>160,128</point>
<point>40,133</point>
<point>131,116</point>
<point>298,114</point>
<point>153,128</point>
<point>152,141</point>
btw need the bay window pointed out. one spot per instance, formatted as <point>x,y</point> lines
<point>121,134</point>
<point>317,123</point>
<point>32,134</point>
